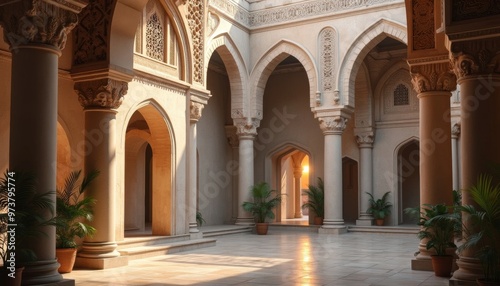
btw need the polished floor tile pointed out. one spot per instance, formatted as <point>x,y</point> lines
<point>282,257</point>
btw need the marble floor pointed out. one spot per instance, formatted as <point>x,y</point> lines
<point>282,257</point>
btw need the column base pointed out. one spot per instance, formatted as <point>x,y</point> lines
<point>193,228</point>
<point>98,250</point>
<point>364,222</point>
<point>41,272</point>
<point>100,263</point>
<point>457,282</point>
<point>196,235</point>
<point>298,215</point>
<point>330,229</point>
<point>469,269</point>
<point>421,264</point>
<point>245,221</point>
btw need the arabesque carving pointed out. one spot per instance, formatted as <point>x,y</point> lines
<point>196,19</point>
<point>467,9</point>
<point>328,55</point>
<point>365,139</point>
<point>423,24</point>
<point>101,93</point>
<point>245,127</point>
<point>475,57</point>
<point>435,76</point>
<point>332,124</point>
<point>195,109</point>
<point>39,22</point>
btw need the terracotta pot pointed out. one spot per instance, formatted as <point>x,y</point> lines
<point>379,221</point>
<point>261,228</point>
<point>8,281</point>
<point>66,258</point>
<point>318,220</point>
<point>442,265</point>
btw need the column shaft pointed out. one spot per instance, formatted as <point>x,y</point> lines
<point>246,177</point>
<point>193,179</point>
<point>333,180</point>
<point>33,141</point>
<point>297,174</point>
<point>366,184</point>
<point>455,158</point>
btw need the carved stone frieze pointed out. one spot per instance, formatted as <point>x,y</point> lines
<point>91,36</point>
<point>434,76</point>
<point>101,93</point>
<point>195,109</point>
<point>39,22</point>
<point>328,51</point>
<point>332,124</point>
<point>365,139</point>
<point>196,20</point>
<point>475,57</point>
<point>246,127</point>
<point>423,24</point>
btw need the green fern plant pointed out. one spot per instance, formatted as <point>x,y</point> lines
<point>264,201</point>
<point>316,198</point>
<point>379,208</point>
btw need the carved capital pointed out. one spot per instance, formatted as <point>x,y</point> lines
<point>475,57</point>
<point>101,93</point>
<point>46,22</point>
<point>246,127</point>
<point>433,76</point>
<point>232,137</point>
<point>455,130</point>
<point>332,124</point>
<point>365,139</point>
<point>195,109</point>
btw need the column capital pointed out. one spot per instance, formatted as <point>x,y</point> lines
<point>195,109</point>
<point>475,57</point>
<point>104,93</point>
<point>44,22</point>
<point>246,128</point>
<point>297,173</point>
<point>232,137</point>
<point>432,74</point>
<point>332,124</point>
<point>365,139</point>
<point>455,130</point>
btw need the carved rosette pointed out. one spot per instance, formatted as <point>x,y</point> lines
<point>332,124</point>
<point>101,93</point>
<point>365,139</point>
<point>455,130</point>
<point>246,128</point>
<point>195,109</point>
<point>433,76</point>
<point>39,22</point>
<point>476,57</point>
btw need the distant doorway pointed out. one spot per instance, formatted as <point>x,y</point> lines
<point>408,180</point>
<point>350,197</point>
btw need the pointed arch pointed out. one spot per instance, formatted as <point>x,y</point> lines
<point>359,49</point>
<point>236,69</point>
<point>406,166</point>
<point>266,65</point>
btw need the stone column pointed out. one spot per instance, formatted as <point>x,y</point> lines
<point>246,131</point>
<point>477,66</point>
<point>100,98</point>
<point>36,33</point>
<point>455,132</point>
<point>365,141</point>
<point>433,81</point>
<point>195,114</point>
<point>234,142</point>
<point>297,174</point>
<point>333,127</point>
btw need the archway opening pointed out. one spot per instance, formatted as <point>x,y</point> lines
<point>148,174</point>
<point>64,164</point>
<point>408,180</point>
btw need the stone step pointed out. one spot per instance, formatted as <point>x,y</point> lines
<point>213,231</point>
<point>383,229</point>
<point>145,251</point>
<point>294,227</point>
<point>137,241</point>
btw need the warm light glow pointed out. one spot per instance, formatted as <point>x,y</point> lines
<point>305,169</point>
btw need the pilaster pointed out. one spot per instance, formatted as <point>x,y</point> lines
<point>195,110</point>
<point>365,139</point>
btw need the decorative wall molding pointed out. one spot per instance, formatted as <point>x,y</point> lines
<point>328,56</point>
<point>101,93</point>
<point>39,22</point>
<point>161,83</point>
<point>196,21</point>
<point>291,12</point>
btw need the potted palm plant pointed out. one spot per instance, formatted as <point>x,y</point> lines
<point>73,209</point>
<point>379,208</point>
<point>27,210</point>
<point>437,229</point>
<point>264,201</point>
<point>482,232</point>
<point>316,201</point>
